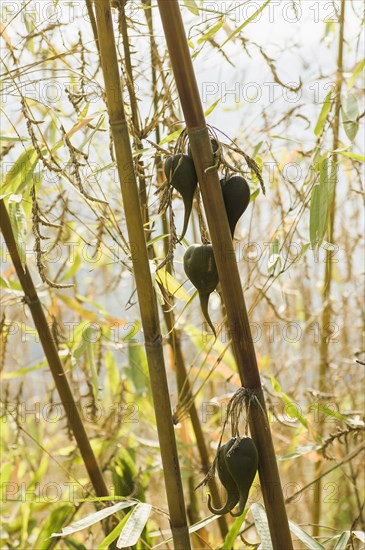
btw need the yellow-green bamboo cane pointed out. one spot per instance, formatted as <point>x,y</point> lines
<point>327,305</point>
<point>146,295</point>
<point>227,267</point>
<point>50,350</point>
<point>167,309</point>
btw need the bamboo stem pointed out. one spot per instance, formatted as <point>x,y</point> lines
<point>146,295</point>
<point>328,277</point>
<point>227,267</point>
<point>135,115</point>
<point>51,353</point>
<point>174,336</point>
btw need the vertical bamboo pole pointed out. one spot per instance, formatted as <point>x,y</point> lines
<point>227,267</point>
<point>327,306</point>
<point>146,296</point>
<point>51,353</point>
<point>174,339</point>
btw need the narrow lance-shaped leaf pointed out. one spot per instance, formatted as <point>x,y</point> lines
<point>18,223</point>
<point>323,114</point>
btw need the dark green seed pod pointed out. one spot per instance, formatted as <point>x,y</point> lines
<point>242,463</point>
<point>226,480</point>
<point>200,267</point>
<point>180,173</point>
<point>236,195</point>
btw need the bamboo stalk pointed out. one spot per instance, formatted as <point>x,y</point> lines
<point>146,295</point>
<point>174,337</point>
<point>51,353</point>
<point>227,268</point>
<point>327,305</point>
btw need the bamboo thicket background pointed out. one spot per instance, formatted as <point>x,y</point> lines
<point>270,87</point>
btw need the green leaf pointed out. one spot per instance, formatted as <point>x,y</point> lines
<point>247,22</point>
<point>358,70</point>
<point>12,139</point>
<point>134,525</point>
<point>138,368</point>
<point>299,451</point>
<point>172,286</point>
<point>191,5</point>
<point>196,527</point>
<point>289,404</point>
<point>342,541</point>
<point>211,32</point>
<point>73,269</point>
<point>112,374</point>
<point>234,530</point>
<point>171,137</point>
<point>21,172</point>
<point>330,412</point>
<point>274,256</point>
<point>89,336</point>
<point>262,525</point>
<point>350,112</point>
<point>19,226</point>
<point>54,521</point>
<point>319,206</point>
<point>355,156</point>
<point>323,114</point>
<point>91,519</point>
<point>309,541</point>
<point>22,372</point>
<point>213,106</point>
<point>111,537</point>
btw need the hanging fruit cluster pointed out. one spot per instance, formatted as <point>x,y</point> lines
<point>199,263</point>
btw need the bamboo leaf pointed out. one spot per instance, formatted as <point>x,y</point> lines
<point>21,172</point>
<point>19,225</point>
<point>330,412</point>
<point>14,139</point>
<point>319,206</point>
<point>300,451</point>
<point>309,541</point>
<point>291,408</point>
<point>55,520</point>
<point>359,535</point>
<point>171,137</point>
<point>342,541</point>
<point>211,32</point>
<point>73,269</point>
<point>192,6</point>
<point>350,112</point>
<point>89,337</point>
<point>327,104</point>
<point>354,156</point>
<point>213,106</point>
<point>358,70</point>
<point>247,22</point>
<point>111,537</point>
<point>234,530</point>
<point>138,369</point>
<point>262,526</point>
<point>172,286</point>
<point>134,525</point>
<point>91,519</point>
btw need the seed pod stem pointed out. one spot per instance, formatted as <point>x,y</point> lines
<point>204,301</point>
